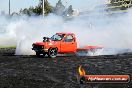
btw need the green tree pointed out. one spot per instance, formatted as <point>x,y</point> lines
<point>37,10</point>
<point>47,7</point>
<point>59,8</point>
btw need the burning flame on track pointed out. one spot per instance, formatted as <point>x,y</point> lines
<point>81,71</point>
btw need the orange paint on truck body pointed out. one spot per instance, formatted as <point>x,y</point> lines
<point>64,44</point>
<point>59,43</point>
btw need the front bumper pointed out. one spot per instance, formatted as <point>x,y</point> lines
<point>40,50</point>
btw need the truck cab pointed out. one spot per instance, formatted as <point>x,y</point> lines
<point>58,43</point>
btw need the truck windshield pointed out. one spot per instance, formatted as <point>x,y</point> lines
<point>57,37</point>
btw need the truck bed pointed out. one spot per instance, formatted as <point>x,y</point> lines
<point>89,50</point>
<point>89,47</point>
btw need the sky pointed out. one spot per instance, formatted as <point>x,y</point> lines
<point>16,5</point>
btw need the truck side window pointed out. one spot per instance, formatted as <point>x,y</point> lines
<point>68,38</point>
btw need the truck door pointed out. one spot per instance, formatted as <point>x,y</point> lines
<point>68,44</point>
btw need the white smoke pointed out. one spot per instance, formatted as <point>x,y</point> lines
<point>94,28</point>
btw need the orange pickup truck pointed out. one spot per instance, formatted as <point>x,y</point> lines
<point>58,43</point>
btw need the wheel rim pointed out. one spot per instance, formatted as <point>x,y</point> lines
<point>53,52</point>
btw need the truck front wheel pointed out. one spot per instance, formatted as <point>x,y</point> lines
<point>52,52</point>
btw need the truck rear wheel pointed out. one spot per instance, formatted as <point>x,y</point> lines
<point>52,52</point>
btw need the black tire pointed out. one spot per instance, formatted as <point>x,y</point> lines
<point>52,52</point>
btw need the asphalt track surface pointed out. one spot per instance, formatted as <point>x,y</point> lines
<point>60,72</point>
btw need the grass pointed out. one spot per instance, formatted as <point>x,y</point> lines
<point>7,46</point>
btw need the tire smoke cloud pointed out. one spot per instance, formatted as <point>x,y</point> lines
<point>112,31</point>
